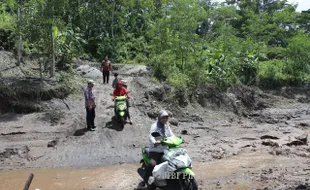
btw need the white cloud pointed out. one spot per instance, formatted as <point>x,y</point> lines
<point>302,4</point>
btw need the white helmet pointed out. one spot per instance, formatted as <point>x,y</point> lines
<point>90,81</point>
<point>124,82</point>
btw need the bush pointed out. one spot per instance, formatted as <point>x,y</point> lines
<point>163,65</point>
<point>277,73</point>
<point>179,80</point>
<point>6,41</point>
<point>271,74</point>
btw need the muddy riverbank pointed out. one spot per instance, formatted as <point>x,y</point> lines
<point>263,145</point>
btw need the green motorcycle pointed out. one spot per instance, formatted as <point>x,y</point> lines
<point>120,109</point>
<point>174,172</point>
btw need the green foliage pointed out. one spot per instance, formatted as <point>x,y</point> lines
<point>7,25</point>
<point>7,20</point>
<point>179,80</point>
<point>187,42</point>
<point>163,64</point>
<point>299,56</point>
<point>271,74</point>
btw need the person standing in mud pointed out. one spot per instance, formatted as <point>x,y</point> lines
<point>156,149</point>
<point>105,69</point>
<point>115,80</point>
<point>90,105</point>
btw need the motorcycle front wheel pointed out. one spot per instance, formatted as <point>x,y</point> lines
<point>191,184</point>
<point>123,121</point>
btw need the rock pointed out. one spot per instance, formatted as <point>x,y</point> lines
<point>278,152</point>
<point>170,113</point>
<point>89,72</point>
<point>52,143</point>
<point>174,121</point>
<point>197,118</point>
<point>167,87</point>
<point>296,143</point>
<point>268,137</point>
<point>303,138</point>
<point>304,124</point>
<point>152,114</point>
<point>271,120</point>
<point>157,93</point>
<point>22,152</point>
<point>270,143</point>
<point>146,96</point>
<point>184,132</point>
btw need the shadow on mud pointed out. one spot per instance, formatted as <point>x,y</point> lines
<point>303,187</point>
<point>80,132</point>
<point>114,124</point>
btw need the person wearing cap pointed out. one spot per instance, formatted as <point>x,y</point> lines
<point>156,149</point>
<point>90,105</point>
<point>120,90</point>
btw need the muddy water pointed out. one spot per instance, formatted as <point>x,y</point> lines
<point>122,177</point>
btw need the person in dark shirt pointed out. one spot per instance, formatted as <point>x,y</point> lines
<point>115,80</point>
<point>106,68</point>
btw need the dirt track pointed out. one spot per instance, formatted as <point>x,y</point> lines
<point>211,136</point>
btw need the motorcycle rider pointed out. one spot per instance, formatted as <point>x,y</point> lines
<point>156,149</point>
<point>121,91</point>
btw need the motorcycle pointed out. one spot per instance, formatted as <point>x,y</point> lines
<point>174,172</point>
<point>120,109</point>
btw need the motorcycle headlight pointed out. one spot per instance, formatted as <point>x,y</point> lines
<point>182,161</point>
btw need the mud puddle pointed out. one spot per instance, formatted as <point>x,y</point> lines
<point>123,177</point>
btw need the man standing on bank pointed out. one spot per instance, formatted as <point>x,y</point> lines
<point>90,105</point>
<point>105,69</point>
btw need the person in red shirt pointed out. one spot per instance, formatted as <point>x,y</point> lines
<point>120,90</point>
<point>106,68</point>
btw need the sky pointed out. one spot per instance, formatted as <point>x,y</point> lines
<point>303,5</point>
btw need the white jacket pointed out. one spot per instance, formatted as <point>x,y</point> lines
<point>164,131</point>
